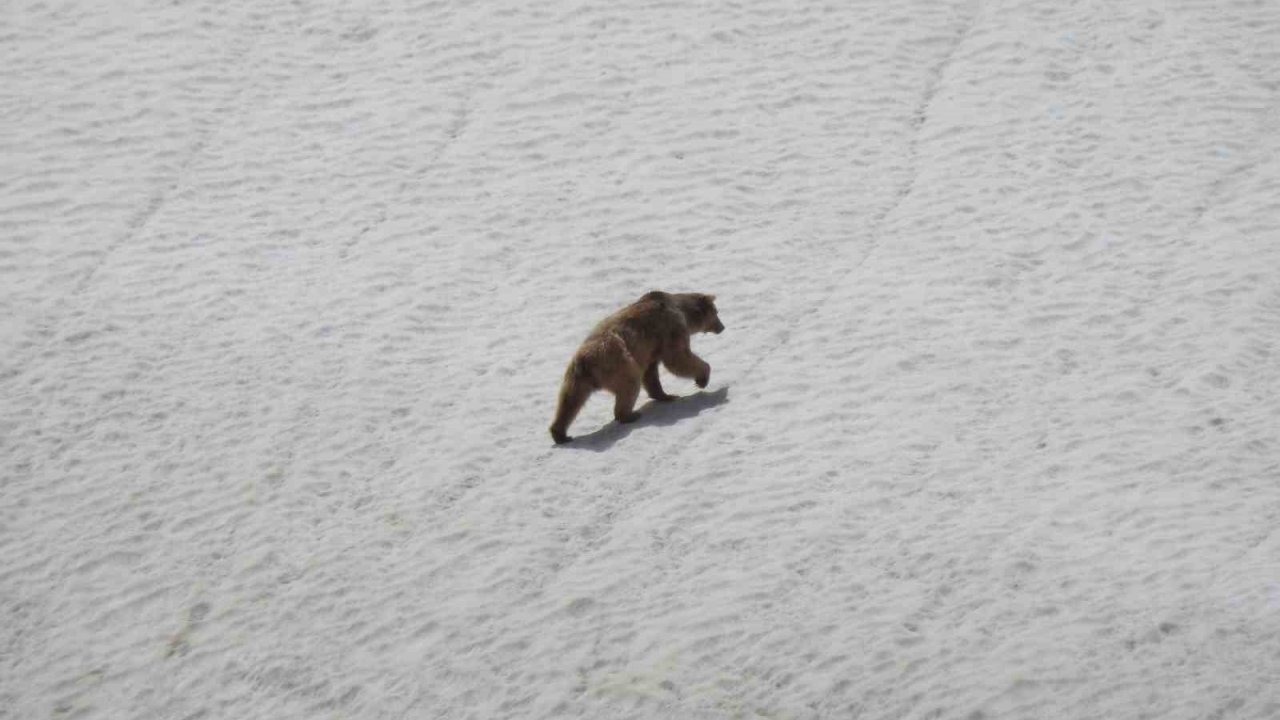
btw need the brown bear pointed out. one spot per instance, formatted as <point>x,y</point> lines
<point>623,351</point>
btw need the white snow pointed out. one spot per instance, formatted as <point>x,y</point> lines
<point>286,291</point>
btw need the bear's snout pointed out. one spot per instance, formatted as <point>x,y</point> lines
<point>718,327</point>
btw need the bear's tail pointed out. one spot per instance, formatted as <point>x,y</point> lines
<point>574,391</point>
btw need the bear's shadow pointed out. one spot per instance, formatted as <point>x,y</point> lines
<point>651,413</point>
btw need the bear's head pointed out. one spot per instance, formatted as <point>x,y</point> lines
<point>700,313</point>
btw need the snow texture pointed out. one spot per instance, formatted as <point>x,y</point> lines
<point>287,289</point>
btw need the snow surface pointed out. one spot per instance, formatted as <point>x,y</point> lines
<point>286,291</point>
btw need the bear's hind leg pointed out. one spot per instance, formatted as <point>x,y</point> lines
<point>573,395</point>
<point>624,403</point>
<point>624,382</point>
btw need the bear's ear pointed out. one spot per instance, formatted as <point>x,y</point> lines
<point>711,298</point>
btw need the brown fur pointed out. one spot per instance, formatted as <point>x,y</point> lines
<point>623,351</point>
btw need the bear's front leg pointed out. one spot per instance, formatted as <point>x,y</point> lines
<point>681,361</point>
<point>653,385</point>
<point>704,377</point>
